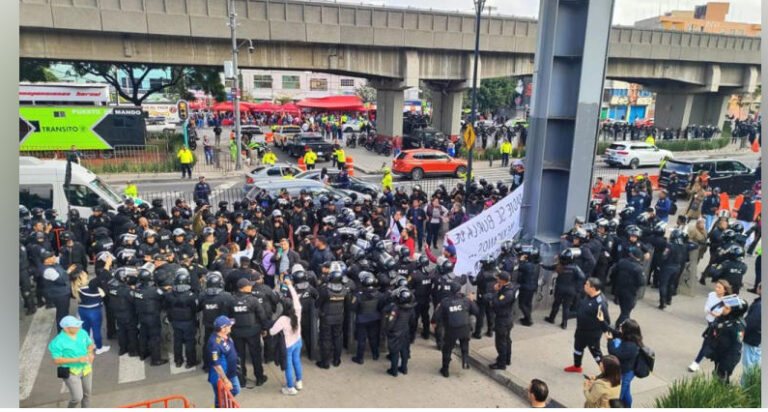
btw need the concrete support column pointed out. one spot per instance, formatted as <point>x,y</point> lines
<point>673,110</point>
<point>389,112</point>
<point>446,112</point>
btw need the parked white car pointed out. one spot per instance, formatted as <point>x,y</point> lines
<point>635,154</point>
<point>352,126</point>
<point>159,125</point>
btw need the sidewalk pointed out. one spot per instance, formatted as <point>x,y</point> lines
<point>164,177</point>
<point>543,350</point>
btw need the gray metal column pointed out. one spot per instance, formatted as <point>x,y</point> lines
<point>569,70</point>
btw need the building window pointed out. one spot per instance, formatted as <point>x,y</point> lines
<point>318,84</point>
<point>291,82</point>
<point>347,82</point>
<point>262,81</point>
<point>733,31</point>
<point>741,32</point>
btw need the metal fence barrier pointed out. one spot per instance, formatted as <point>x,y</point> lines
<point>217,195</point>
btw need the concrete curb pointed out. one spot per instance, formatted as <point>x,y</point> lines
<point>509,381</point>
<point>156,179</point>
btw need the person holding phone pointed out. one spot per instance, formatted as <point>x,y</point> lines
<point>600,389</point>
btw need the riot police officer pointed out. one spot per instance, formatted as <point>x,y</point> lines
<point>121,301</point>
<point>268,299</point>
<point>441,289</point>
<point>213,302</point>
<point>56,285</point>
<point>528,279</point>
<point>485,281</point>
<point>674,257</point>
<point>732,269</point>
<point>332,303</point>
<point>148,302</point>
<point>77,227</point>
<point>569,275</point>
<point>400,317</point>
<point>507,259</point>
<point>250,322</point>
<point>181,305</point>
<point>592,320</point>
<point>723,338</point>
<point>627,277</point>
<point>502,302</point>
<point>307,297</point>
<point>421,283</point>
<point>26,286</point>
<point>453,313</point>
<point>366,304</point>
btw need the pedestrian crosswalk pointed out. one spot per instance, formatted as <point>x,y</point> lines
<point>38,384</point>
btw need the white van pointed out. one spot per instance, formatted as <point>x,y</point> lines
<point>41,184</point>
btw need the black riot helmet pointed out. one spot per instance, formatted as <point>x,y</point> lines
<point>729,235</point>
<point>335,276</point>
<point>677,236</point>
<point>581,234</point>
<point>214,280</point>
<point>627,213</point>
<point>445,267</point>
<point>609,211</point>
<point>299,276</point>
<point>737,227</point>
<point>404,252</point>
<point>737,310</point>
<point>569,255</point>
<point>144,276</point>
<point>157,202</point>
<point>24,212</point>
<point>367,279</point>
<point>507,246</point>
<point>633,230</point>
<point>602,223</point>
<point>423,260</point>
<point>734,252</point>
<point>400,282</point>
<point>488,261</point>
<point>660,228</point>
<point>73,214</point>
<point>182,277</point>
<point>404,296</point>
<point>122,274</point>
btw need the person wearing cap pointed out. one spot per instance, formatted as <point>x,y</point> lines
<point>449,252</point>
<point>72,251</point>
<point>56,285</point>
<point>502,303</point>
<point>202,190</point>
<point>72,352</point>
<point>224,359</point>
<point>250,324</point>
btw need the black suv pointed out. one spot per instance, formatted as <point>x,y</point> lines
<point>731,176</point>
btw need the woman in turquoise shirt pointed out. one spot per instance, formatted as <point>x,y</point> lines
<point>72,351</point>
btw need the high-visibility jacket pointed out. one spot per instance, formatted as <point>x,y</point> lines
<point>288,176</point>
<point>725,202</point>
<point>310,158</point>
<point>269,158</point>
<point>386,181</point>
<point>185,156</point>
<point>340,156</point>
<point>650,140</point>
<point>131,191</point>
<point>506,148</point>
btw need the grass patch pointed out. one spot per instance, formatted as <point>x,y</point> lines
<point>706,391</point>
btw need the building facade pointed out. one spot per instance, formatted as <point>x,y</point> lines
<point>708,18</point>
<point>296,85</point>
<point>627,102</point>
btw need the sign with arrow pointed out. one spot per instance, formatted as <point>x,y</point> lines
<point>469,136</point>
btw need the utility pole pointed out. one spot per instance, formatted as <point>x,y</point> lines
<point>235,82</point>
<point>473,114</point>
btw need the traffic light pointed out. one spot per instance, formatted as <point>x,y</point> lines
<point>183,107</point>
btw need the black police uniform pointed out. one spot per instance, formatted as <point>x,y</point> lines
<point>673,259</point>
<point>589,328</point>
<point>453,312</point>
<point>332,304</point>
<point>181,306</point>
<point>401,318</point>
<point>628,277</point>
<point>502,302</point>
<point>123,309</point>
<point>250,320</point>
<point>307,297</point>
<point>56,286</point>
<point>568,277</point>
<point>485,280</point>
<point>149,302</point>
<point>528,279</point>
<point>213,302</point>
<point>25,282</point>
<point>421,283</point>
<point>723,340</point>
<point>366,304</point>
<point>731,270</point>
<point>268,299</point>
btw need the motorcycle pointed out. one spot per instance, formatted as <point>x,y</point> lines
<point>383,147</point>
<point>352,141</point>
<point>370,143</point>
<point>260,148</point>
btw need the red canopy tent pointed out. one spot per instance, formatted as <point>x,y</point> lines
<point>334,103</point>
<point>264,107</point>
<point>230,107</point>
<point>289,108</point>
<point>197,105</point>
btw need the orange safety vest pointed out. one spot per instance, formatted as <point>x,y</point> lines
<point>615,191</point>
<point>737,202</point>
<point>725,202</point>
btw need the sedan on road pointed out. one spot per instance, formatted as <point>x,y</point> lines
<point>418,163</point>
<point>355,184</point>
<point>268,172</point>
<point>635,154</point>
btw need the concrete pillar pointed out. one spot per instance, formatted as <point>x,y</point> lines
<point>389,112</point>
<point>673,110</point>
<point>446,111</point>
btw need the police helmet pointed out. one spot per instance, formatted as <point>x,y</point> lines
<point>569,255</point>
<point>39,236</point>
<point>627,213</point>
<point>445,266</point>
<point>401,282</point>
<point>65,236</point>
<point>581,234</point>
<point>145,275</point>
<point>660,228</point>
<point>367,279</point>
<point>487,261</point>
<point>738,310</point>
<point>507,246</point>
<point>122,273</point>
<point>735,252</point>
<point>24,212</point>
<point>303,231</point>
<point>633,230</point>
<point>677,236</point>
<point>182,277</point>
<point>404,252</point>
<point>299,276</point>
<point>214,280</point>
<point>609,210</point>
<point>277,213</point>
<point>423,260</point>
<point>179,232</point>
<point>157,202</point>
<point>223,204</point>
<point>323,199</point>
<point>643,218</point>
<point>335,276</point>
<point>532,252</point>
<point>737,227</point>
<point>404,296</point>
<point>579,220</point>
<point>74,214</point>
<point>728,235</point>
<point>329,220</point>
<point>613,225</point>
<point>602,223</point>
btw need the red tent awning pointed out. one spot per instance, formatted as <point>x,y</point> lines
<point>264,107</point>
<point>197,105</point>
<point>289,108</point>
<point>230,107</point>
<point>334,103</point>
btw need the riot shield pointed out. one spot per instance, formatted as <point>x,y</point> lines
<point>313,347</point>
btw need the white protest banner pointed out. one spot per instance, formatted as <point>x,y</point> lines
<point>482,235</point>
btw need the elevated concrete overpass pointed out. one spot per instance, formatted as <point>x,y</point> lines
<point>393,47</point>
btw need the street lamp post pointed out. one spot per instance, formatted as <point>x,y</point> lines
<point>473,114</point>
<point>235,82</point>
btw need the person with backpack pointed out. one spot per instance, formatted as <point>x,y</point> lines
<point>625,345</point>
<point>712,308</point>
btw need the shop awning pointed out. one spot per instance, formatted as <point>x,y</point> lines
<point>334,103</point>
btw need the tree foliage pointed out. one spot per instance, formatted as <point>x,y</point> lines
<point>206,79</point>
<point>366,93</point>
<point>495,93</point>
<point>33,70</point>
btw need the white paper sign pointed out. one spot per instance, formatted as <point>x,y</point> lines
<point>482,235</point>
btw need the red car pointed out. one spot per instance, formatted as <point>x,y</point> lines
<point>417,163</point>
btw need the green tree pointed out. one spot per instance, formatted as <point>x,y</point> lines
<point>206,79</point>
<point>495,93</point>
<point>366,93</point>
<point>33,70</point>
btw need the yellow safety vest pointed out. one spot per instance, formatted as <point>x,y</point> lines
<point>132,191</point>
<point>386,181</point>
<point>269,159</point>
<point>506,148</point>
<point>185,156</point>
<point>310,158</point>
<point>650,140</point>
<point>340,156</point>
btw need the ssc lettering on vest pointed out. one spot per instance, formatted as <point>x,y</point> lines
<point>138,295</point>
<point>240,308</point>
<point>337,298</point>
<point>455,308</point>
<point>211,306</point>
<point>426,282</point>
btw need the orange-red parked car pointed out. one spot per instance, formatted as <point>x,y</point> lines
<point>417,163</point>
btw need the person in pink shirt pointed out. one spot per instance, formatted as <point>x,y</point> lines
<point>290,325</point>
